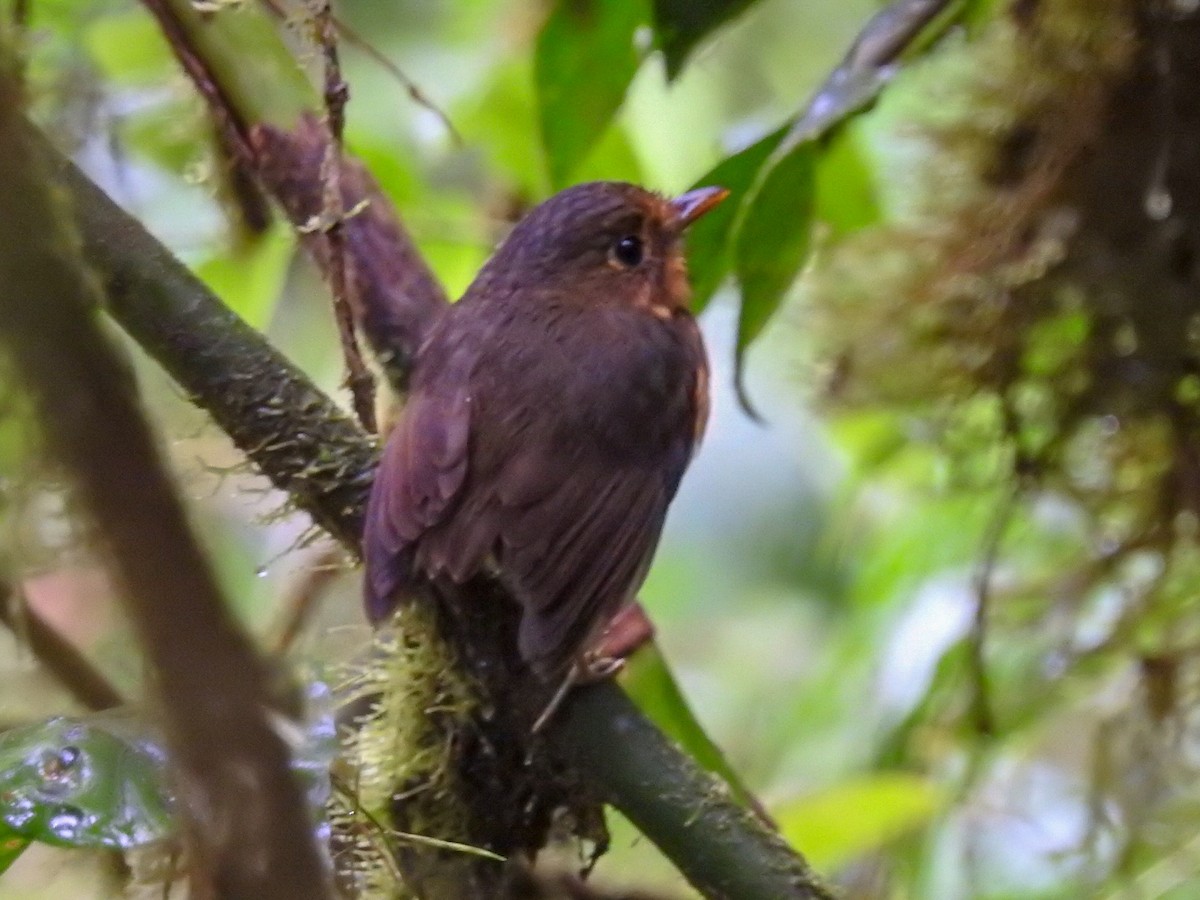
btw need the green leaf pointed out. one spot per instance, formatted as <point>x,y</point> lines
<point>102,781</point>
<point>250,278</point>
<point>773,241</point>
<point>584,61</point>
<point>680,25</point>
<point>76,784</point>
<point>12,845</point>
<point>611,157</point>
<point>128,48</point>
<point>650,683</point>
<point>503,119</point>
<point>709,239</point>
<point>845,185</point>
<point>836,825</point>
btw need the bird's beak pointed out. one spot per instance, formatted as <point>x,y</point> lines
<point>695,203</point>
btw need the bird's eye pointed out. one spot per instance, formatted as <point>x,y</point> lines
<point>628,251</point>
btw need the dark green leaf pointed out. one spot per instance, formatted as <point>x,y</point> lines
<point>650,683</point>
<point>773,241</point>
<point>681,24</point>
<point>584,61</point>
<point>709,239</point>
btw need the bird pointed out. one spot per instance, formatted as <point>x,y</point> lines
<point>550,416</point>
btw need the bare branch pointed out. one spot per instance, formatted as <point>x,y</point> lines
<point>337,92</point>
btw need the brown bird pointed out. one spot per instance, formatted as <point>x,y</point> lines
<point>552,413</point>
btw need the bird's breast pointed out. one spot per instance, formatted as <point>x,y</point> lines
<point>619,380</point>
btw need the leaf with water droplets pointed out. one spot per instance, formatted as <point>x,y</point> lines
<point>83,784</point>
<point>102,781</point>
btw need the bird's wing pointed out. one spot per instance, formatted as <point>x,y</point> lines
<point>418,483</point>
<point>579,545</point>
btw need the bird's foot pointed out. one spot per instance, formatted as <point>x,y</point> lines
<point>590,667</point>
<point>595,666</point>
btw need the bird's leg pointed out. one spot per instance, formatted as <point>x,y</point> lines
<point>628,630</point>
<point>590,667</point>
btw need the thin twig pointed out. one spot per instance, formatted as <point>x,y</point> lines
<point>61,658</point>
<point>981,704</point>
<point>231,129</point>
<point>336,93</point>
<point>305,595</point>
<point>411,88</point>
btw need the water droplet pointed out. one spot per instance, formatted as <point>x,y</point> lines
<point>67,823</point>
<point>1158,203</point>
<point>1125,340</point>
<point>643,39</point>
<point>1193,330</point>
<point>61,770</point>
<point>261,572</point>
<point>18,812</point>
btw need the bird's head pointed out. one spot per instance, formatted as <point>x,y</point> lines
<point>604,241</point>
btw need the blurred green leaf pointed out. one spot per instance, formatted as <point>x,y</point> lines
<point>250,277</point>
<point>838,824</point>
<point>171,134</point>
<point>611,158</point>
<point>503,119</point>
<point>1055,342</point>
<point>845,185</point>
<point>773,240</point>
<point>76,784</point>
<point>709,239</point>
<point>129,48</point>
<point>650,683</point>
<point>680,25</point>
<point>584,61</point>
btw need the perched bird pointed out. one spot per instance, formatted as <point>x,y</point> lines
<point>552,413</point>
